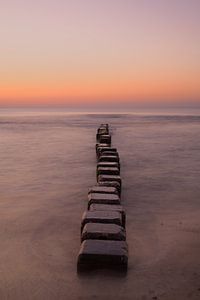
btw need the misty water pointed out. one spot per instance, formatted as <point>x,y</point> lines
<point>47,164</point>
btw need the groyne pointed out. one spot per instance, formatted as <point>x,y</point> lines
<point>103,224</point>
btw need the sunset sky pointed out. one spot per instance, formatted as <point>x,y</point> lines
<point>109,51</point>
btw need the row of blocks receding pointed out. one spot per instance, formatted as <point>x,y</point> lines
<point>103,225</point>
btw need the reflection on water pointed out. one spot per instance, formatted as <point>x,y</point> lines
<point>47,164</point>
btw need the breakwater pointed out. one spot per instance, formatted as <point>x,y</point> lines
<point>103,224</point>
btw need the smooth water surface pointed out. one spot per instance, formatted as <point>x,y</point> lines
<point>47,164</point>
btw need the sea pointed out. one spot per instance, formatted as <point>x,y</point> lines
<point>47,164</point>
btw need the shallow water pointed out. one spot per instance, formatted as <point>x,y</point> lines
<point>47,165</point>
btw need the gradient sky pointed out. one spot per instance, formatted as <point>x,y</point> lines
<point>114,51</point>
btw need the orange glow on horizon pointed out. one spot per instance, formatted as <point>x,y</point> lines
<point>117,89</point>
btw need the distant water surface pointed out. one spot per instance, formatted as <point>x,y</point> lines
<point>47,164</point>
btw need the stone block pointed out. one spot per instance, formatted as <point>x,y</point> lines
<point>107,171</point>
<point>103,190</point>
<point>106,217</point>
<point>102,149</point>
<point>111,183</point>
<point>100,145</point>
<point>101,131</point>
<point>103,254</point>
<point>108,207</point>
<point>108,164</point>
<point>103,198</point>
<point>110,178</point>
<point>109,153</point>
<point>100,231</point>
<point>108,158</point>
<point>105,138</point>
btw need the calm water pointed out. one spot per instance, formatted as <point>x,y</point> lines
<point>47,164</point>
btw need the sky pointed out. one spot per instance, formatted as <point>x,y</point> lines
<point>83,52</point>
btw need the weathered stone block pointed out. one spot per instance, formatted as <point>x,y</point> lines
<point>109,153</point>
<point>100,145</point>
<point>103,190</point>
<point>106,217</point>
<point>110,178</point>
<point>103,198</point>
<point>108,158</point>
<point>108,164</point>
<point>102,149</point>
<point>104,125</point>
<point>103,254</point>
<point>107,171</point>
<point>98,231</point>
<point>105,138</point>
<point>100,132</point>
<point>111,183</point>
<point>108,207</point>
